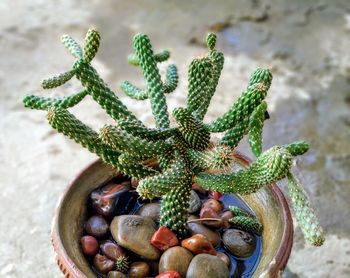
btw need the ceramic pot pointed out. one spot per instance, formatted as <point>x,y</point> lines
<point>269,205</point>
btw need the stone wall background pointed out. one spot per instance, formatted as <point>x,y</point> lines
<point>305,43</point>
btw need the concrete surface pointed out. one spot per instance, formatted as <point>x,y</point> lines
<point>305,43</point>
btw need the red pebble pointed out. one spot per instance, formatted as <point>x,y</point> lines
<point>216,195</point>
<point>169,274</point>
<point>164,238</point>
<point>198,244</point>
<point>89,245</point>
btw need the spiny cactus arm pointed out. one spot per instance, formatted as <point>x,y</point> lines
<point>261,76</point>
<point>217,61</point>
<point>99,91</point>
<point>158,57</point>
<point>172,79</point>
<point>133,91</point>
<point>192,130</point>
<point>244,106</point>
<point>159,185</point>
<point>234,135</point>
<point>44,103</point>
<point>57,80</point>
<point>64,122</point>
<point>199,77</point>
<point>135,128</point>
<point>256,124</point>
<point>297,148</point>
<point>174,209</point>
<point>248,224</point>
<point>132,145</point>
<point>139,94</point>
<point>73,47</point>
<point>91,45</point>
<point>219,157</point>
<point>237,211</point>
<point>304,213</point>
<point>270,166</point>
<point>144,52</point>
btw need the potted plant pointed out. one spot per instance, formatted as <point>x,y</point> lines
<point>184,153</point>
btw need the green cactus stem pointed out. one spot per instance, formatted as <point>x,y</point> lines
<point>304,213</point>
<point>57,80</point>
<point>43,103</point>
<point>135,146</point>
<point>73,47</point>
<point>148,64</point>
<point>64,122</point>
<point>256,124</point>
<point>158,57</point>
<point>248,224</point>
<point>246,104</point>
<point>192,130</point>
<point>270,166</point>
<point>184,152</point>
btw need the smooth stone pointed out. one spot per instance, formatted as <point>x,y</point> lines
<point>116,274</point>
<point>113,199</point>
<point>164,238</point>
<point>195,202</point>
<point>214,204</point>
<point>134,233</point>
<point>212,236</point>
<point>112,250</point>
<point>208,266</point>
<point>151,210</point>
<point>225,216</point>
<point>103,264</point>
<point>239,243</point>
<point>89,245</point>
<point>139,270</point>
<point>97,226</point>
<point>198,244</point>
<point>169,274</point>
<point>224,258</point>
<point>177,259</point>
<point>208,212</point>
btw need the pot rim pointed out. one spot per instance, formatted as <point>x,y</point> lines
<point>274,269</point>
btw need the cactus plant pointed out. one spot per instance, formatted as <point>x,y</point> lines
<point>185,153</point>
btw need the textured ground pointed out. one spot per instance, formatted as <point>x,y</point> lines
<point>305,43</point>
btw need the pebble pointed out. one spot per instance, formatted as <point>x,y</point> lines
<point>224,258</point>
<point>139,270</point>
<point>198,244</point>
<point>112,250</point>
<point>151,210</point>
<point>177,259</point>
<point>239,243</point>
<point>89,245</point>
<point>116,274</point>
<point>195,202</point>
<point>134,233</point>
<point>164,238</point>
<point>208,266</point>
<point>113,199</point>
<point>214,204</point>
<point>103,264</point>
<point>169,274</point>
<point>225,216</point>
<point>208,212</point>
<point>212,236</point>
<point>97,226</point>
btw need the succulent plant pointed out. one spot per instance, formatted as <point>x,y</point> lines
<point>185,153</point>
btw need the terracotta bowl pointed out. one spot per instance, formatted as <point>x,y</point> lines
<point>269,204</point>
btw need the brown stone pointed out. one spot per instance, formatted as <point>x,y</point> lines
<point>177,259</point>
<point>198,244</point>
